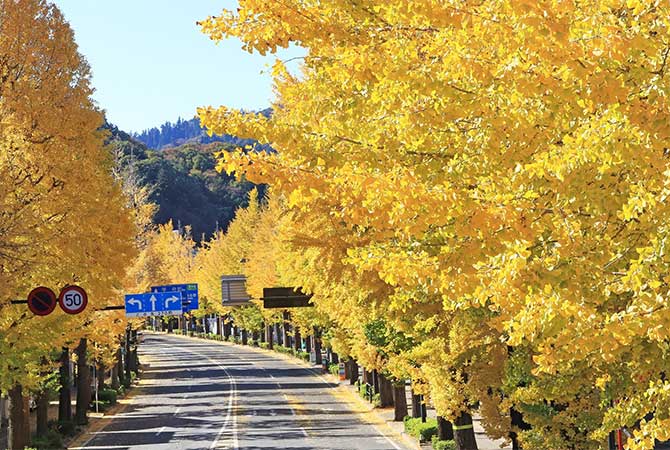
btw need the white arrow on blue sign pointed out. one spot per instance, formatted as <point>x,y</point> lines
<point>189,293</point>
<point>153,304</point>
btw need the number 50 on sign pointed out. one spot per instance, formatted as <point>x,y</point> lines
<point>72,299</point>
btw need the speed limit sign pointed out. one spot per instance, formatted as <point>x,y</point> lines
<point>72,299</point>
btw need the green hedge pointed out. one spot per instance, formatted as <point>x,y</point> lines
<point>442,445</point>
<point>65,427</point>
<point>334,369</point>
<point>424,432</point>
<point>108,395</point>
<point>362,389</point>
<point>377,400</point>
<point>102,405</point>
<point>49,442</point>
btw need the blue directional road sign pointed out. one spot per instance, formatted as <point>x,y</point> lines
<point>189,293</point>
<point>153,304</point>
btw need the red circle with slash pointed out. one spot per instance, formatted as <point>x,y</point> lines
<point>42,301</point>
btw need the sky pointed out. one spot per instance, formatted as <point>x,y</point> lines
<point>151,63</point>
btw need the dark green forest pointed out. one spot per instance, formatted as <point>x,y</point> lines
<point>184,132</point>
<point>182,181</point>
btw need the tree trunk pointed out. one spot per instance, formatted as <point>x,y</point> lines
<point>464,433</point>
<point>205,323</point>
<point>19,424</point>
<point>126,368</point>
<point>42,405</point>
<point>119,366</point>
<point>277,333</point>
<point>353,371</point>
<point>226,328</point>
<point>286,342</point>
<point>254,338</point>
<point>64,394</point>
<point>100,372</point>
<point>416,405</point>
<point>134,360</point>
<point>42,413</point>
<point>245,338</point>
<point>334,358</point>
<point>385,391</point>
<point>399,402</point>
<point>115,377</point>
<point>445,432</point>
<point>367,376</point>
<point>297,339</point>
<point>269,329</point>
<point>308,344</point>
<point>83,383</point>
<point>375,381</point>
<point>261,336</point>
<point>317,347</point>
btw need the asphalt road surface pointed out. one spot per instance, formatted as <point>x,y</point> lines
<point>203,395</point>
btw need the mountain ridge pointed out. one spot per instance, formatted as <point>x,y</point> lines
<point>189,131</point>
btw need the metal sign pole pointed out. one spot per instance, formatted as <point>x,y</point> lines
<point>95,383</point>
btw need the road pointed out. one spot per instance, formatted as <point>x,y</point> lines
<point>204,395</point>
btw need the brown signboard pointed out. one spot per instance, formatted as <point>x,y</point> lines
<point>285,297</point>
<point>234,290</point>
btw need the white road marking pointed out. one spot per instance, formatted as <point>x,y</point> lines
<point>94,447</point>
<point>230,415</point>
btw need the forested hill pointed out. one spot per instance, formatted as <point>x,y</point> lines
<point>182,181</point>
<point>183,132</point>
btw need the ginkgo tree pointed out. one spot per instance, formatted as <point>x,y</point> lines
<point>63,219</point>
<point>494,166</point>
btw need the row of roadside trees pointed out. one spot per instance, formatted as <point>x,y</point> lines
<point>64,219</point>
<point>476,193</point>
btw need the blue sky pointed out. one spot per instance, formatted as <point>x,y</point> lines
<point>152,64</point>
